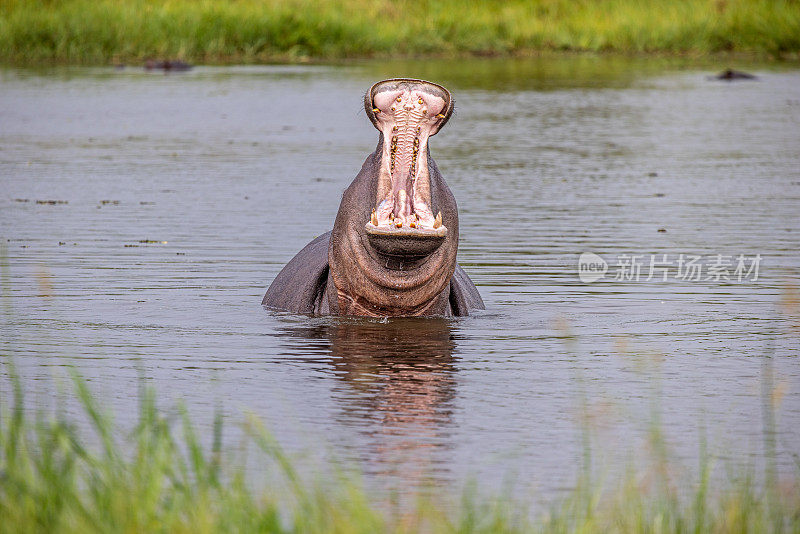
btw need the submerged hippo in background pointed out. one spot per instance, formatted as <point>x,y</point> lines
<point>167,65</point>
<point>392,250</point>
<point>732,75</point>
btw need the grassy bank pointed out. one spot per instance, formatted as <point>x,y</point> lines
<point>211,31</point>
<point>56,478</point>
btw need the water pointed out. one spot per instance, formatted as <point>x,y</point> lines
<point>184,195</point>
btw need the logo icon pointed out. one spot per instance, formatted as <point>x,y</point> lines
<point>591,267</point>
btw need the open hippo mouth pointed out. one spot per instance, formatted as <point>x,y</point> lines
<point>406,112</point>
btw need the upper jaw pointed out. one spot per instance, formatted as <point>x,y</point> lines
<point>407,112</point>
<point>377,87</point>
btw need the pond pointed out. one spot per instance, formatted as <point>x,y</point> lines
<point>143,216</point>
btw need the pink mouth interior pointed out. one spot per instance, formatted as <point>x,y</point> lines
<point>407,113</point>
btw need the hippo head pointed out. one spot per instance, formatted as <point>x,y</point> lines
<point>394,243</point>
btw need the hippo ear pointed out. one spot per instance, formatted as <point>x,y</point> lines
<point>391,83</point>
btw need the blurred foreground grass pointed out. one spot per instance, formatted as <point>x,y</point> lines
<point>55,477</point>
<point>243,31</point>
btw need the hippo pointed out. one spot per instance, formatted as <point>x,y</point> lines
<point>392,249</point>
<point>174,65</point>
<point>731,75</point>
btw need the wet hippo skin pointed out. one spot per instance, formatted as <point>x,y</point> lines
<point>392,250</point>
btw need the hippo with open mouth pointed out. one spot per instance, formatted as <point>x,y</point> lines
<point>392,250</point>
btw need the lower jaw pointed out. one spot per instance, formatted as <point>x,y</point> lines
<point>410,232</point>
<point>408,223</point>
<point>405,243</point>
<point>383,275</point>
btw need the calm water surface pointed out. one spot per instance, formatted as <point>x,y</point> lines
<point>183,196</point>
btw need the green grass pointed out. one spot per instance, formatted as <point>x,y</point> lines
<point>55,477</point>
<point>241,31</point>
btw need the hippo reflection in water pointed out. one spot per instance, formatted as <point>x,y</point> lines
<point>392,250</point>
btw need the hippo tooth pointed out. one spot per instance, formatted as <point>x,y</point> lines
<point>374,219</point>
<point>438,222</point>
<point>440,116</point>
